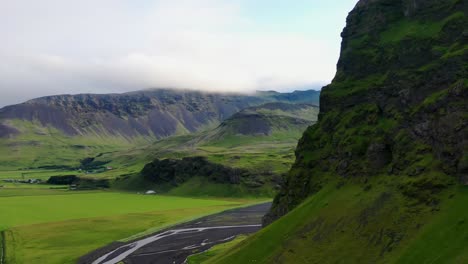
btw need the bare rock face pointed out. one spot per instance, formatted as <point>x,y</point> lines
<point>397,104</point>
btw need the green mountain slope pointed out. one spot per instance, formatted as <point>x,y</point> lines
<point>61,130</point>
<point>380,178</point>
<point>352,225</point>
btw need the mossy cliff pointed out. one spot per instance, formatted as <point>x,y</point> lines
<point>397,104</point>
<point>381,178</point>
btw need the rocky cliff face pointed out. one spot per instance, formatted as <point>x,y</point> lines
<point>397,105</point>
<point>152,113</point>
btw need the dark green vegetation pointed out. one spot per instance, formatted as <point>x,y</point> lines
<point>381,178</point>
<point>62,180</point>
<point>175,172</point>
<point>198,176</point>
<point>62,130</point>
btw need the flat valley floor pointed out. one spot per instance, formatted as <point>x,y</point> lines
<point>175,244</point>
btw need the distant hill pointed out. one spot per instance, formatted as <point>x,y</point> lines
<point>59,129</point>
<point>152,113</point>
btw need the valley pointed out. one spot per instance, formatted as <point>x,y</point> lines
<point>179,242</point>
<point>59,226</point>
<point>373,168</point>
<point>67,189</point>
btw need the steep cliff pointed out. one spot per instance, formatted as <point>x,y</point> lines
<point>380,177</point>
<point>397,104</point>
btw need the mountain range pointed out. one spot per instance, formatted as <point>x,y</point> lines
<point>152,113</point>
<point>79,126</point>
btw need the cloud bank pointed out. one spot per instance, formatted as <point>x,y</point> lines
<point>63,46</point>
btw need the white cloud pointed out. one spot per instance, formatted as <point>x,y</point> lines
<point>58,46</point>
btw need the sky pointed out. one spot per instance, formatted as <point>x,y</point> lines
<point>100,46</point>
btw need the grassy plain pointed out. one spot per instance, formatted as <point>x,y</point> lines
<point>61,227</point>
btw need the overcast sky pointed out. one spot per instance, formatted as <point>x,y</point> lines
<point>98,46</point>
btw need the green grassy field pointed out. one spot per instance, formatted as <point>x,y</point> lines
<point>10,190</point>
<point>61,227</point>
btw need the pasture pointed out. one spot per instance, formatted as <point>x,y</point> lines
<point>58,226</point>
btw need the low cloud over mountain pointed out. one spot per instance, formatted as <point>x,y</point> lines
<point>55,47</point>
